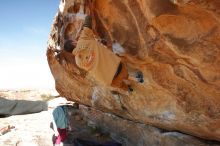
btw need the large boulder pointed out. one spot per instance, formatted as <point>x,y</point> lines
<point>175,43</point>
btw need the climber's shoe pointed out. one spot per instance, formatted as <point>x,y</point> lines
<point>140,80</point>
<point>139,76</point>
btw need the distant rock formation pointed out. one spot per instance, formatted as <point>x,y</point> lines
<point>175,43</point>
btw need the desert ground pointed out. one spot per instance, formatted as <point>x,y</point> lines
<point>34,129</point>
<point>31,129</point>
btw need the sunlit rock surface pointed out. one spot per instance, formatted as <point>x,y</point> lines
<point>176,44</point>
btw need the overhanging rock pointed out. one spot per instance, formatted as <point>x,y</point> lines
<point>174,43</point>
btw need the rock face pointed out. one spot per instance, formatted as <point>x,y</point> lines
<point>174,43</point>
<point>130,133</point>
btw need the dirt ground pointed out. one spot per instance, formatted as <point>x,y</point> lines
<point>34,129</point>
<point>31,129</point>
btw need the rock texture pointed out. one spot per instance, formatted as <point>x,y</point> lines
<point>130,133</point>
<point>174,43</point>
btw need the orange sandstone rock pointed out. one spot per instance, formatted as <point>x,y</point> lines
<point>174,43</point>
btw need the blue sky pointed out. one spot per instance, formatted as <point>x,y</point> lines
<point>24,29</point>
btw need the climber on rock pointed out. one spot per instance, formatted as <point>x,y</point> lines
<point>101,63</point>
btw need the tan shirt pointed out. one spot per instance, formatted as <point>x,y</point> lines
<point>92,56</point>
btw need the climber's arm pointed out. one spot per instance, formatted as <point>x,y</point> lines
<point>88,22</point>
<point>87,32</point>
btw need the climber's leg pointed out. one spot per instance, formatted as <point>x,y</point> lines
<point>121,76</point>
